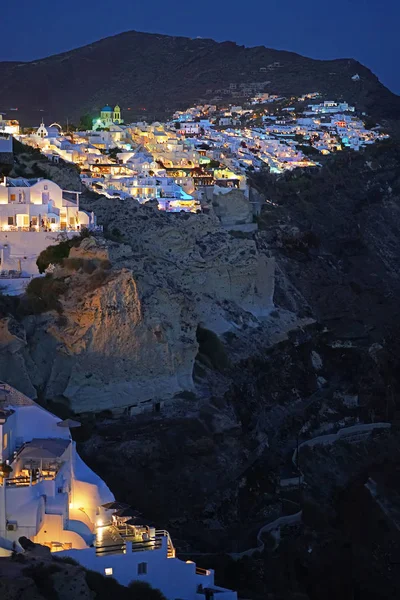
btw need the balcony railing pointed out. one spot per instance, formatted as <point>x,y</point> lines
<point>108,542</point>
<point>50,228</point>
<point>26,481</point>
<point>121,547</point>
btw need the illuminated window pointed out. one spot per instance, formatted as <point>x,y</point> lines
<point>5,441</point>
<point>142,568</point>
<point>108,571</point>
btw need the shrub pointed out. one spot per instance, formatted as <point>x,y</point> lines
<point>54,254</point>
<point>113,234</point>
<point>8,305</point>
<point>41,575</point>
<point>42,294</point>
<point>66,559</point>
<point>107,587</point>
<point>211,349</point>
<point>104,587</point>
<point>140,590</point>
<point>57,253</point>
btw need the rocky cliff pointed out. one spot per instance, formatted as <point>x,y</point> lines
<point>214,469</point>
<point>35,574</point>
<point>126,336</point>
<point>226,469</point>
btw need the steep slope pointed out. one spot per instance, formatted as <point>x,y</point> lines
<point>127,335</point>
<point>161,73</point>
<point>334,233</point>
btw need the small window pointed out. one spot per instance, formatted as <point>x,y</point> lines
<point>142,568</point>
<point>12,197</point>
<point>46,187</point>
<point>11,220</point>
<point>5,444</point>
<point>108,571</point>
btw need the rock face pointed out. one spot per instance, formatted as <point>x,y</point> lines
<point>35,575</point>
<point>30,163</point>
<point>231,206</point>
<point>122,344</point>
<point>126,336</point>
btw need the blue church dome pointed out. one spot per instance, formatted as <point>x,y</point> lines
<point>107,109</point>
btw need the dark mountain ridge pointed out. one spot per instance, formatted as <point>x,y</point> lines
<point>161,73</point>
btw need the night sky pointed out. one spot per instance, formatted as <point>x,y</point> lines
<point>367,30</point>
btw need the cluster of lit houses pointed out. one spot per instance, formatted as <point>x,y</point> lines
<point>172,162</point>
<point>202,146</point>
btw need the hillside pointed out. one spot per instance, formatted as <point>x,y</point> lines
<point>161,73</point>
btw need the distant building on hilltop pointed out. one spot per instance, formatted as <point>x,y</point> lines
<point>108,117</point>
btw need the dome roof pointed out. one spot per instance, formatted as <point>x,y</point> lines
<point>116,108</point>
<point>106,109</point>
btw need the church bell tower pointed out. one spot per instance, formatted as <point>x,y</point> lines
<point>117,115</point>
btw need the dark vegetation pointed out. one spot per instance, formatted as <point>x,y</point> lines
<point>105,588</point>
<point>102,587</point>
<point>41,575</point>
<point>42,294</point>
<point>58,252</point>
<point>211,350</point>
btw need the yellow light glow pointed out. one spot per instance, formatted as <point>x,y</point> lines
<point>99,522</point>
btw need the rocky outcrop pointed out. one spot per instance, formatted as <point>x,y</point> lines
<point>231,206</point>
<point>123,343</point>
<point>126,335</point>
<point>34,575</point>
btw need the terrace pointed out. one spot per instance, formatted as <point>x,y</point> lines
<point>38,461</point>
<point>122,538</point>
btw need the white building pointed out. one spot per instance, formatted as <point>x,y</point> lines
<point>39,204</point>
<point>33,212</point>
<point>189,127</point>
<point>47,132</point>
<point>49,495</point>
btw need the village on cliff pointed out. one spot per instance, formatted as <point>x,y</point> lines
<point>186,164</point>
<point>198,162</point>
